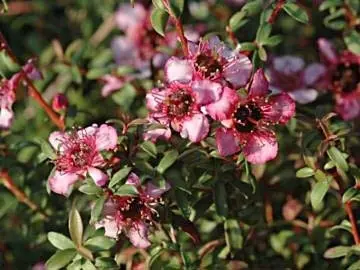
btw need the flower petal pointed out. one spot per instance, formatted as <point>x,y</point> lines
<point>6,118</point>
<point>226,142</point>
<point>327,50</point>
<point>348,106</point>
<point>261,147</point>
<point>124,51</point>
<point>60,183</point>
<point>138,235</point>
<point>157,134</point>
<point>112,84</point>
<point>106,138</point>
<point>57,138</point>
<point>288,64</point>
<point>304,96</point>
<point>100,178</point>
<point>222,109</point>
<point>238,71</point>
<point>154,98</point>
<point>259,85</point>
<point>112,229</point>
<point>129,16</point>
<point>206,91</point>
<point>133,179</point>
<point>154,191</point>
<point>195,128</point>
<point>282,108</point>
<point>314,73</point>
<point>178,70</point>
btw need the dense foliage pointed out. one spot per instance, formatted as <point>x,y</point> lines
<point>179,134</point>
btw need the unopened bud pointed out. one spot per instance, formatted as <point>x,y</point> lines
<point>60,102</point>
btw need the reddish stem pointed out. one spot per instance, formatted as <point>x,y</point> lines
<point>33,92</point>
<point>19,194</point>
<point>276,11</point>
<point>231,35</point>
<point>352,218</point>
<point>179,28</point>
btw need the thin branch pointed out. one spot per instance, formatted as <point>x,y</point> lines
<point>352,218</point>
<point>276,11</point>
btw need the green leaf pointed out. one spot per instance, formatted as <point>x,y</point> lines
<point>318,193</point>
<point>88,265</point>
<point>337,157</point>
<point>273,41</point>
<point>252,7</point>
<point>60,241</point>
<point>183,202</point>
<point>60,259</point>
<point>159,19</point>
<point>236,20</point>
<point>90,189</point>
<point>263,33</point>
<point>296,12</point>
<point>329,4</point>
<point>125,96</point>
<point>354,266</point>
<point>233,234</point>
<point>349,194</point>
<point>119,176</point>
<point>149,147</point>
<point>352,40</point>
<point>247,46</point>
<point>47,149</point>
<point>127,190</point>
<point>75,226</point>
<point>220,199</point>
<point>97,209</point>
<point>262,53</point>
<point>100,243</point>
<point>86,253</point>
<point>177,7</point>
<point>305,172</point>
<point>168,160</point>
<point>336,252</point>
<point>158,4</point>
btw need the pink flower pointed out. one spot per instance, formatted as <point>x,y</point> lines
<point>111,84</point>
<point>246,121</point>
<point>161,133</point>
<point>289,74</point>
<point>132,215</point>
<point>7,99</point>
<point>344,76</point>
<point>210,60</point>
<point>32,71</point>
<point>59,102</point>
<point>178,105</point>
<point>78,155</point>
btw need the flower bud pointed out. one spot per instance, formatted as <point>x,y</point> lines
<point>60,102</point>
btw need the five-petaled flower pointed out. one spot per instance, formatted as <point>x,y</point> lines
<point>344,77</point>
<point>289,74</point>
<point>7,98</point>
<point>78,154</point>
<point>132,214</point>
<point>246,120</point>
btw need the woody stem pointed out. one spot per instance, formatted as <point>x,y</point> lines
<point>33,92</point>
<point>276,11</point>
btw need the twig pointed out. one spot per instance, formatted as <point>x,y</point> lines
<point>208,247</point>
<point>354,228</point>
<point>6,179</point>
<point>33,92</point>
<point>276,11</point>
<point>179,28</point>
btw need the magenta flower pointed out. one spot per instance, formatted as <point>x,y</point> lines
<point>7,99</point>
<point>247,120</point>
<point>32,71</point>
<point>210,60</point>
<point>59,102</point>
<point>344,76</point>
<point>78,155</point>
<point>111,84</point>
<point>161,133</point>
<point>178,105</point>
<point>132,215</point>
<point>289,74</point>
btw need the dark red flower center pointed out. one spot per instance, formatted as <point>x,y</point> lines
<point>179,103</point>
<point>80,154</point>
<point>209,66</point>
<point>134,209</point>
<point>346,77</point>
<point>246,117</point>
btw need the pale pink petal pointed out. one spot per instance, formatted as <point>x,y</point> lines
<point>226,142</point>
<point>106,138</point>
<point>261,147</point>
<point>216,45</point>
<point>206,91</point>
<point>222,109</point>
<point>157,134</point>
<point>282,108</point>
<point>6,118</point>
<point>100,178</point>
<point>327,50</point>
<point>195,128</point>
<point>124,51</point>
<point>133,179</point>
<point>112,84</point>
<point>288,64</point>
<point>238,71</point>
<point>314,73</point>
<point>154,191</point>
<point>177,70</point>
<point>259,85</point>
<point>304,96</point>
<point>154,98</point>
<point>61,182</point>
<point>88,131</point>
<point>138,235</point>
<point>129,16</point>
<point>97,160</point>
<point>57,138</point>
<point>349,106</point>
<point>112,229</point>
